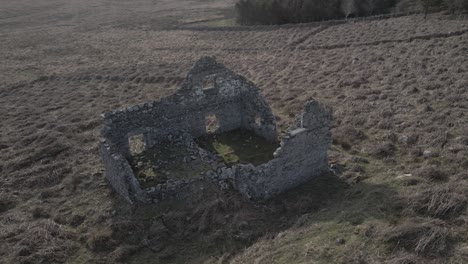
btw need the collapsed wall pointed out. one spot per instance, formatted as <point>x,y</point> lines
<point>301,156</point>
<point>209,89</point>
<point>212,90</point>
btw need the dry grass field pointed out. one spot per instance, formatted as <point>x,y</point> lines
<point>397,88</point>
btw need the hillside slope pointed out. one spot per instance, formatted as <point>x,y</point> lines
<point>397,88</point>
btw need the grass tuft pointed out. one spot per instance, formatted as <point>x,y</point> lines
<point>445,201</point>
<point>433,173</point>
<point>429,238</point>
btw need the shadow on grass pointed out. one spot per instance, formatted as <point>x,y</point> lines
<point>211,225</point>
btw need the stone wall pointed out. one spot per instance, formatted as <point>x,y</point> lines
<point>301,156</point>
<point>120,174</point>
<point>235,102</point>
<point>212,89</point>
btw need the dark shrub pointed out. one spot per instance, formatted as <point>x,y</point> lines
<point>430,4</point>
<point>301,11</point>
<point>456,5</point>
<point>351,8</point>
<point>316,10</point>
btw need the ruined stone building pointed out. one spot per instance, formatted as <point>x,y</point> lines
<point>210,90</point>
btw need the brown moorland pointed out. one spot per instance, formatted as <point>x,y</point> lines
<point>397,88</point>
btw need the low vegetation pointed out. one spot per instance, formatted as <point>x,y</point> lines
<point>422,237</point>
<point>441,201</point>
<point>239,146</point>
<point>164,161</point>
<point>397,88</point>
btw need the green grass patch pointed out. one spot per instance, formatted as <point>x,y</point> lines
<point>239,146</point>
<point>165,161</point>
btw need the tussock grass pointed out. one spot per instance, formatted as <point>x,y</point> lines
<point>433,173</point>
<point>44,241</point>
<point>383,150</point>
<point>441,201</point>
<point>408,71</point>
<point>101,240</point>
<point>427,238</point>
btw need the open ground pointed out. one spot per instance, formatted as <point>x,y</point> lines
<point>397,89</point>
